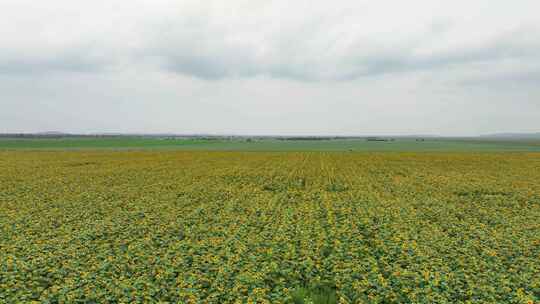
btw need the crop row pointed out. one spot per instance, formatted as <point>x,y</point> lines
<point>225,227</point>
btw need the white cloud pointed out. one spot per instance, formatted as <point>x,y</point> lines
<point>239,65</point>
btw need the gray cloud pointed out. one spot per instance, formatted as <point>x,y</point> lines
<point>347,67</point>
<point>324,42</point>
<point>211,59</point>
<point>74,61</point>
<point>340,43</point>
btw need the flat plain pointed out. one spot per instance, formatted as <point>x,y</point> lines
<point>265,145</point>
<point>269,227</point>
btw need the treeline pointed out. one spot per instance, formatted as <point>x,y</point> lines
<point>309,138</point>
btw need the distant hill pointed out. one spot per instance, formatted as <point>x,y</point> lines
<point>513,136</point>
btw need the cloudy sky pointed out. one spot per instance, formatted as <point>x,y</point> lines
<point>356,67</point>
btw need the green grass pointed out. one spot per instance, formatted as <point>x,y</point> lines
<point>432,145</point>
<point>317,294</point>
<point>98,143</point>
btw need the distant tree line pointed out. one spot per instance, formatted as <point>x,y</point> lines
<point>379,139</point>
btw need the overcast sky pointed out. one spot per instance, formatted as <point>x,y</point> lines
<point>310,67</point>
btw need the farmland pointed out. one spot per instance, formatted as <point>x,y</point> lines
<point>217,227</point>
<point>269,144</point>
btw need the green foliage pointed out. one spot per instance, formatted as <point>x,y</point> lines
<point>238,227</point>
<point>315,294</point>
<point>351,145</point>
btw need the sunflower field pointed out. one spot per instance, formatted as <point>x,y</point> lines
<point>258,227</point>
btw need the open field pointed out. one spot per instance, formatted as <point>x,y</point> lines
<point>401,144</point>
<point>218,227</point>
